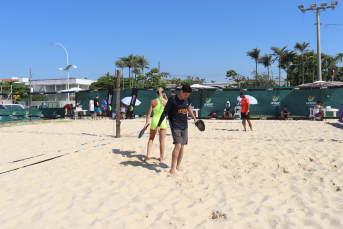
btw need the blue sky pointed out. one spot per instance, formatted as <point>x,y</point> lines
<point>189,37</point>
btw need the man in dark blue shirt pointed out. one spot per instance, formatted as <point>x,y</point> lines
<point>227,110</point>
<point>177,108</point>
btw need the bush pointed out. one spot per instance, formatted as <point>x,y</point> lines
<point>40,98</point>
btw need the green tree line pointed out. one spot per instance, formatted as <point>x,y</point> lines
<point>300,64</point>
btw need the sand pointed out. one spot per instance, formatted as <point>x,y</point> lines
<point>284,174</point>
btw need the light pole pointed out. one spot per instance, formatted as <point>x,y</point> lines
<point>316,9</point>
<point>68,66</point>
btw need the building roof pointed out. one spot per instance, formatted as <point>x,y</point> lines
<point>61,81</point>
<point>8,80</point>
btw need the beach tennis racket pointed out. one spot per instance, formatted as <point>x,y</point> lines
<point>142,131</point>
<point>200,124</point>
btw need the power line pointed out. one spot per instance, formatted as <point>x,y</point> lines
<point>329,25</point>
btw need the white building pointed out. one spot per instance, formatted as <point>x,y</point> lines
<point>55,85</point>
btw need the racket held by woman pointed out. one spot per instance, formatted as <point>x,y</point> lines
<point>142,131</point>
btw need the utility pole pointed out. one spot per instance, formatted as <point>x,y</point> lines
<point>118,106</point>
<point>279,70</point>
<point>159,67</point>
<point>317,11</point>
<point>30,97</point>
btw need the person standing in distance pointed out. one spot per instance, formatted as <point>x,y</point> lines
<point>177,108</point>
<point>91,107</point>
<point>104,107</point>
<point>96,107</point>
<point>245,112</point>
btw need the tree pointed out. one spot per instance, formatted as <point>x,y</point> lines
<point>301,48</point>
<point>311,55</point>
<point>231,74</point>
<point>104,82</point>
<point>40,98</point>
<point>144,63</point>
<point>286,63</point>
<point>121,64</point>
<point>332,65</point>
<point>279,52</point>
<point>137,71</point>
<point>17,88</point>
<point>135,65</point>
<point>128,63</point>
<point>254,54</point>
<point>266,60</point>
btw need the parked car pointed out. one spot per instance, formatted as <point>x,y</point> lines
<point>12,106</point>
<point>39,106</point>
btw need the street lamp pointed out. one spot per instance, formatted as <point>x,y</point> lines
<point>68,66</point>
<point>322,7</point>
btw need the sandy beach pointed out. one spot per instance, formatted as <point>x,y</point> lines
<point>74,174</point>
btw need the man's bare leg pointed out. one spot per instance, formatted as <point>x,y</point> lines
<point>250,125</point>
<point>175,155</point>
<point>179,159</point>
<point>244,125</point>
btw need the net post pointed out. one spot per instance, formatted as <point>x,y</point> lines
<point>118,105</point>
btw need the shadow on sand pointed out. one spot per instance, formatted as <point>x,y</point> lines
<point>140,160</point>
<point>228,129</point>
<point>337,125</point>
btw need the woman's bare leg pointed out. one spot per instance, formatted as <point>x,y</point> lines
<point>162,143</point>
<point>151,139</point>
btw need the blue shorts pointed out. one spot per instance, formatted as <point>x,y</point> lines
<point>97,109</point>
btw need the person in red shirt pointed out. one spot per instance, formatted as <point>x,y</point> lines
<point>66,108</point>
<point>245,112</point>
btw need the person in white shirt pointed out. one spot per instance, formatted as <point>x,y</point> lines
<point>78,110</point>
<point>123,110</point>
<point>91,107</point>
<point>316,110</point>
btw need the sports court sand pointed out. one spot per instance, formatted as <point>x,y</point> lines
<point>284,174</point>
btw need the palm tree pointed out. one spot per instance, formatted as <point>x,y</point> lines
<point>286,63</point>
<point>144,63</point>
<point>332,64</point>
<point>266,61</point>
<point>254,54</point>
<point>134,64</point>
<point>128,64</point>
<point>137,71</point>
<point>324,60</point>
<point>301,48</point>
<point>121,64</point>
<point>311,55</point>
<point>279,52</point>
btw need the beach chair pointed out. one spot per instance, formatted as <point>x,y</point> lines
<point>214,114</point>
<point>311,113</point>
<point>237,111</point>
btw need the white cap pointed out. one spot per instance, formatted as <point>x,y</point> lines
<point>227,101</point>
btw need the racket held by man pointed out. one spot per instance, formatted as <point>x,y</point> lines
<point>200,124</point>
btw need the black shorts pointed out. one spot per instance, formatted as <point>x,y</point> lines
<point>245,117</point>
<point>180,136</point>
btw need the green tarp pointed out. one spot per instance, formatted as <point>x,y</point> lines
<point>269,102</point>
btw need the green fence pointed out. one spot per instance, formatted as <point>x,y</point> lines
<point>269,101</point>
<point>12,114</point>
